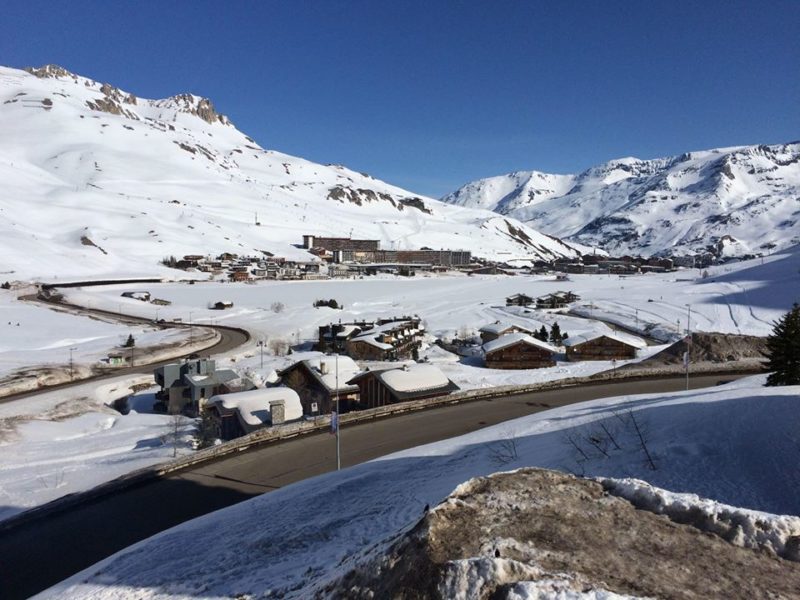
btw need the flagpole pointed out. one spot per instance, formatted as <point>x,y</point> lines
<point>688,341</point>
<point>338,455</point>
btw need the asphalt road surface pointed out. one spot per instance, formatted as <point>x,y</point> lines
<point>38,554</point>
<point>230,339</point>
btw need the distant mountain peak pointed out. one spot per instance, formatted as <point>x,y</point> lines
<point>734,201</point>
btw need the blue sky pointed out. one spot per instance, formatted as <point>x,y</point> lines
<point>430,95</point>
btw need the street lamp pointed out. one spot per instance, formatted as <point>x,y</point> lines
<point>688,342</point>
<point>71,364</point>
<point>191,332</point>
<point>260,344</point>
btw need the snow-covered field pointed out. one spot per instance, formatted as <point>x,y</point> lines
<point>737,444</point>
<point>744,297</point>
<point>32,335</point>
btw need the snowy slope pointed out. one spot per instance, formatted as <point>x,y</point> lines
<point>731,201</point>
<point>84,163</point>
<point>279,545</point>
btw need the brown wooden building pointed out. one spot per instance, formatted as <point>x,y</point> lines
<point>411,382</point>
<point>317,383</point>
<point>392,340</point>
<point>607,346</point>
<point>519,351</point>
<point>498,329</point>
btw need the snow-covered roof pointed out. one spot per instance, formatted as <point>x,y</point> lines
<point>347,370</point>
<point>414,378</point>
<point>501,327</point>
<point>630,340</point>
<point>253,408</point>
<point>347,330</point>
<point>514,338</point>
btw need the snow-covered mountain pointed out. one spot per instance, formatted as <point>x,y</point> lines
<point>97,182</point>
<point>731,201</point>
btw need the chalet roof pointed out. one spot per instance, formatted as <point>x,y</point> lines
<point>512,339</point>
<point>414,378</point>
<point>616,336</point>
<point>347,330</point>
<point>347,369</point>
<point>500,327</point>
<point>371,335</point>
<point>253,408</point>
<point>215,378</point>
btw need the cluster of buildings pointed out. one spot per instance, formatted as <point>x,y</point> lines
<point>307,389</point>
<point>512,346</point>
<point>348,255</point>
<point>251,268</point>
<point>548,301</point>
<point>394,338</point>
<point>335,257</point>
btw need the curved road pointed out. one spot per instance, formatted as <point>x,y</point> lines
<point>230,338</point>
<point>38,554</point>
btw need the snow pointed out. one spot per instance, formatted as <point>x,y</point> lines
<point>414,378</point>
<point>747,528</point>
<point>735,444</point>
<point>32,334</point>
<point>738,298</point>
<point>513,338</point>
<point>499,328</point>
<point>62,442</point>
<point>574,340</point>
<point>253,406</point>
<point>741,199</point>
<point>338,370</point>
<point>159,181</point>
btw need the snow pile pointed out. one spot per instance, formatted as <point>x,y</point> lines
<point>779,534</point>
<point>557,589</point>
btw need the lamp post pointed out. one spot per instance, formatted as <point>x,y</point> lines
<point>191,331</point>
<point>338,453</point>
<point>71,364</point>
<point>688,341</point>
<point>260,344</point>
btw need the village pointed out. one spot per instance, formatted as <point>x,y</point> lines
<point>363,364</point>
<point>345,257</point>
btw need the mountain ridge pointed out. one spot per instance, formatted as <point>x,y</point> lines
<point>732,201</point>
<point>143,179</point>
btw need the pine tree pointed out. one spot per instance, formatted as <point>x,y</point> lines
<point>206,433</point>
<point>783,349</point>
<point>555,334</point>
<point>542,335</point>
<point>130,342</point>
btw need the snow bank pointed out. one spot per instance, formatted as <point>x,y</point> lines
<point>779,534</point>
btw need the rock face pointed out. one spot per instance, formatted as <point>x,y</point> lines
<point>730,202</point>
<point>113,98</point>
<point>540,531</point>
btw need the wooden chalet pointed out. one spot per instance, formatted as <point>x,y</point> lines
<point>391,340</point>
<point>519,351</point>
<point>497,329</point>
<point>318,381</point>
<point>240,413</point>
<point>519,300</point>
<point>556,300</point>
<point>411,382</point>
<point>334,337</point>
<point>607,346</point>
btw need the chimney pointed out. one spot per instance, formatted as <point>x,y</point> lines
<point>323,367</point>
<point>277,411</point>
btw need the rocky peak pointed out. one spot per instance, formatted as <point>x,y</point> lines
<point>197,106</point>
<point>50,71</point>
